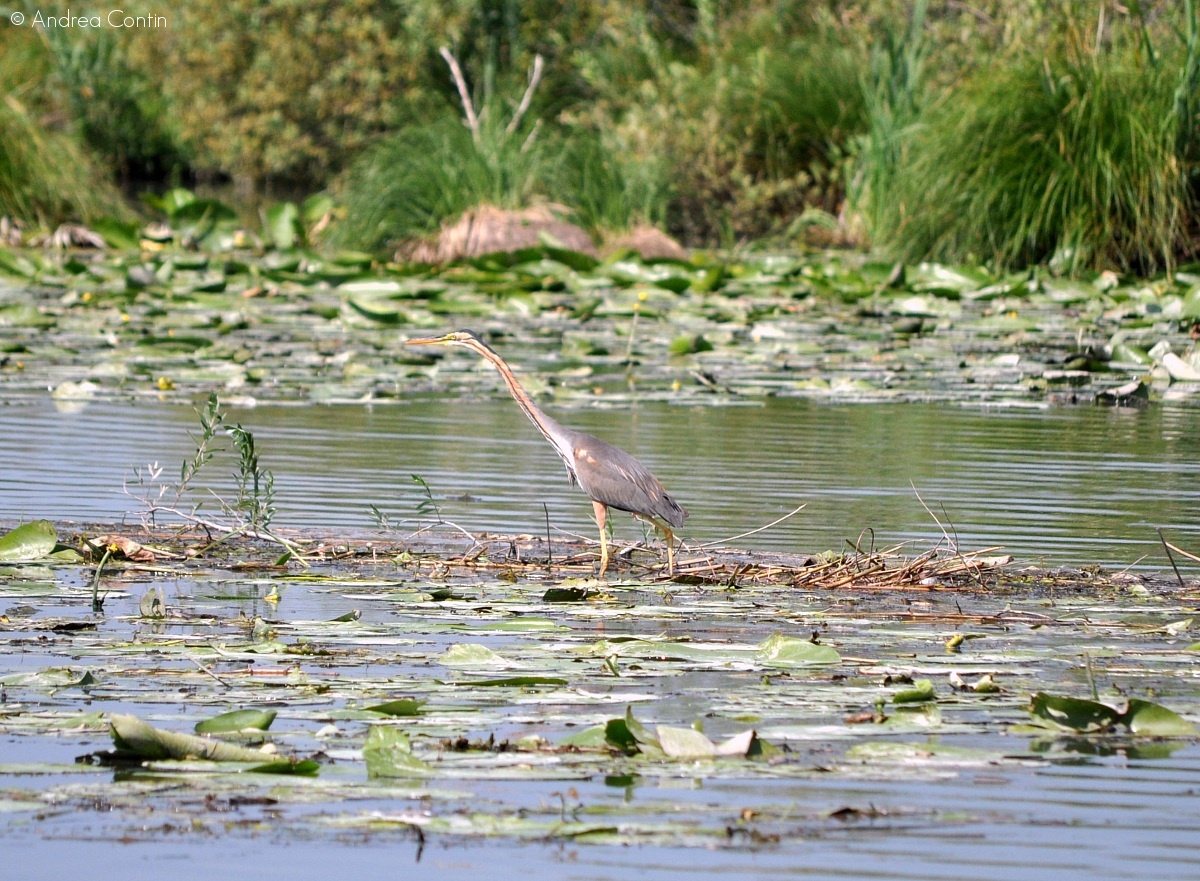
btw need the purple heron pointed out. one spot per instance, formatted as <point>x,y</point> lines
<point>610,476</point>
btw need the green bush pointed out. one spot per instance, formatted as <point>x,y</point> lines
<point>748,123</point>
<point>279,90</point>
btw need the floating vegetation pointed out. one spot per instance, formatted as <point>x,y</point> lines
<point>401,671</point>
<point>176,311</point>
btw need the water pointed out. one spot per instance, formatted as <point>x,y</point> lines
<point>1072,486</point>
<point>1061,486</point>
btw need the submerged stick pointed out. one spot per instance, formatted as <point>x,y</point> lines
<point>1167,548</point>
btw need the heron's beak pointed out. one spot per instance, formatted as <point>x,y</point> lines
<point>427,341</point>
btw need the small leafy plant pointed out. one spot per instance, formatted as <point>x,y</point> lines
<point>249,513</point>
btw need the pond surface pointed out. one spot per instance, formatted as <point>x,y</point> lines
<point>961,786</point>
<point>1073,486</point>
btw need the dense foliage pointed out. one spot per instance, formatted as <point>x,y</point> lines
<point>1009,133</point>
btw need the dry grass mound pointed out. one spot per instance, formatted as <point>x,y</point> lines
<point>489,230</point>
<point>650,242</point>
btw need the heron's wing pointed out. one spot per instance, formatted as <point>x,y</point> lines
<point>612,477</point>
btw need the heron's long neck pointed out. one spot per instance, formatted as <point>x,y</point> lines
<point>551,430</point>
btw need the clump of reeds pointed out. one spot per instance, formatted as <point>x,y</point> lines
<point>1076,157</point>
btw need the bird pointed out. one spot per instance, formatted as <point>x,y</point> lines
<point>610,476</point>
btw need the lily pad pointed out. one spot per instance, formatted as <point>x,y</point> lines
<point>29,541</point>
<point>236,720</point>
<point>136,739</point>
<point>388,753</point>
<point>786,651</point>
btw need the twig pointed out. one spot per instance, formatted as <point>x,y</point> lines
<point>1170,557</point>
<point>534,78</point>
<point>230,532</point>
<point>474,540</point>
<point>463,94</point>
<point>209,672</point>
<point>531,137</point>
<point>713,544</point>
<point>1179,550</point>
<point>949,541</point>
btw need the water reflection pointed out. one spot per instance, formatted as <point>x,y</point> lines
<point>1060,486</point>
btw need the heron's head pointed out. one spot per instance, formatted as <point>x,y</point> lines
<point>464,338</point>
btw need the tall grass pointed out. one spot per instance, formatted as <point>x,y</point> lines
<point>892,90</point>
<point>120,115</point>
<point>411,183</point>
<point>46,176</point>
<point>609,188</point>
<point>1070,160</point>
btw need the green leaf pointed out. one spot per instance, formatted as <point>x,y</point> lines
<point>566,595</point>
<point>778,650</point>
<point>1073,714</point>
<point>618,736</point>
<point>577,260</point>
<point>465,654</point>
<point>597,737</point>
<point>684,743</point>
<point>381,312</point>
<point>689,345</point>
<point>1155,720</point>
<point>922,690</point>
<point>646,742</point>
<point>29,541</point>
<point>525,624</point>
<point>237,720</point>
<point>388,753</point>
<point>283,225</point>
<point>16,264</point>
<point>403,707</point>
<point>118,234</point>
<point>516,682</point>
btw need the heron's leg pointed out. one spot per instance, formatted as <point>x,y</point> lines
<point>601,518</point>
<point>670,537</point>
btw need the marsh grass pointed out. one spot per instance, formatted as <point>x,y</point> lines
<point>117,110</point>
<point>1071,162</point>
<point>412,183</point>
<point>46,175</point>
<point>1077,155</point>
<point>892,91</point>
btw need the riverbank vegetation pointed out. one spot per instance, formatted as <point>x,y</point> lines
<point>1041,132</point>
